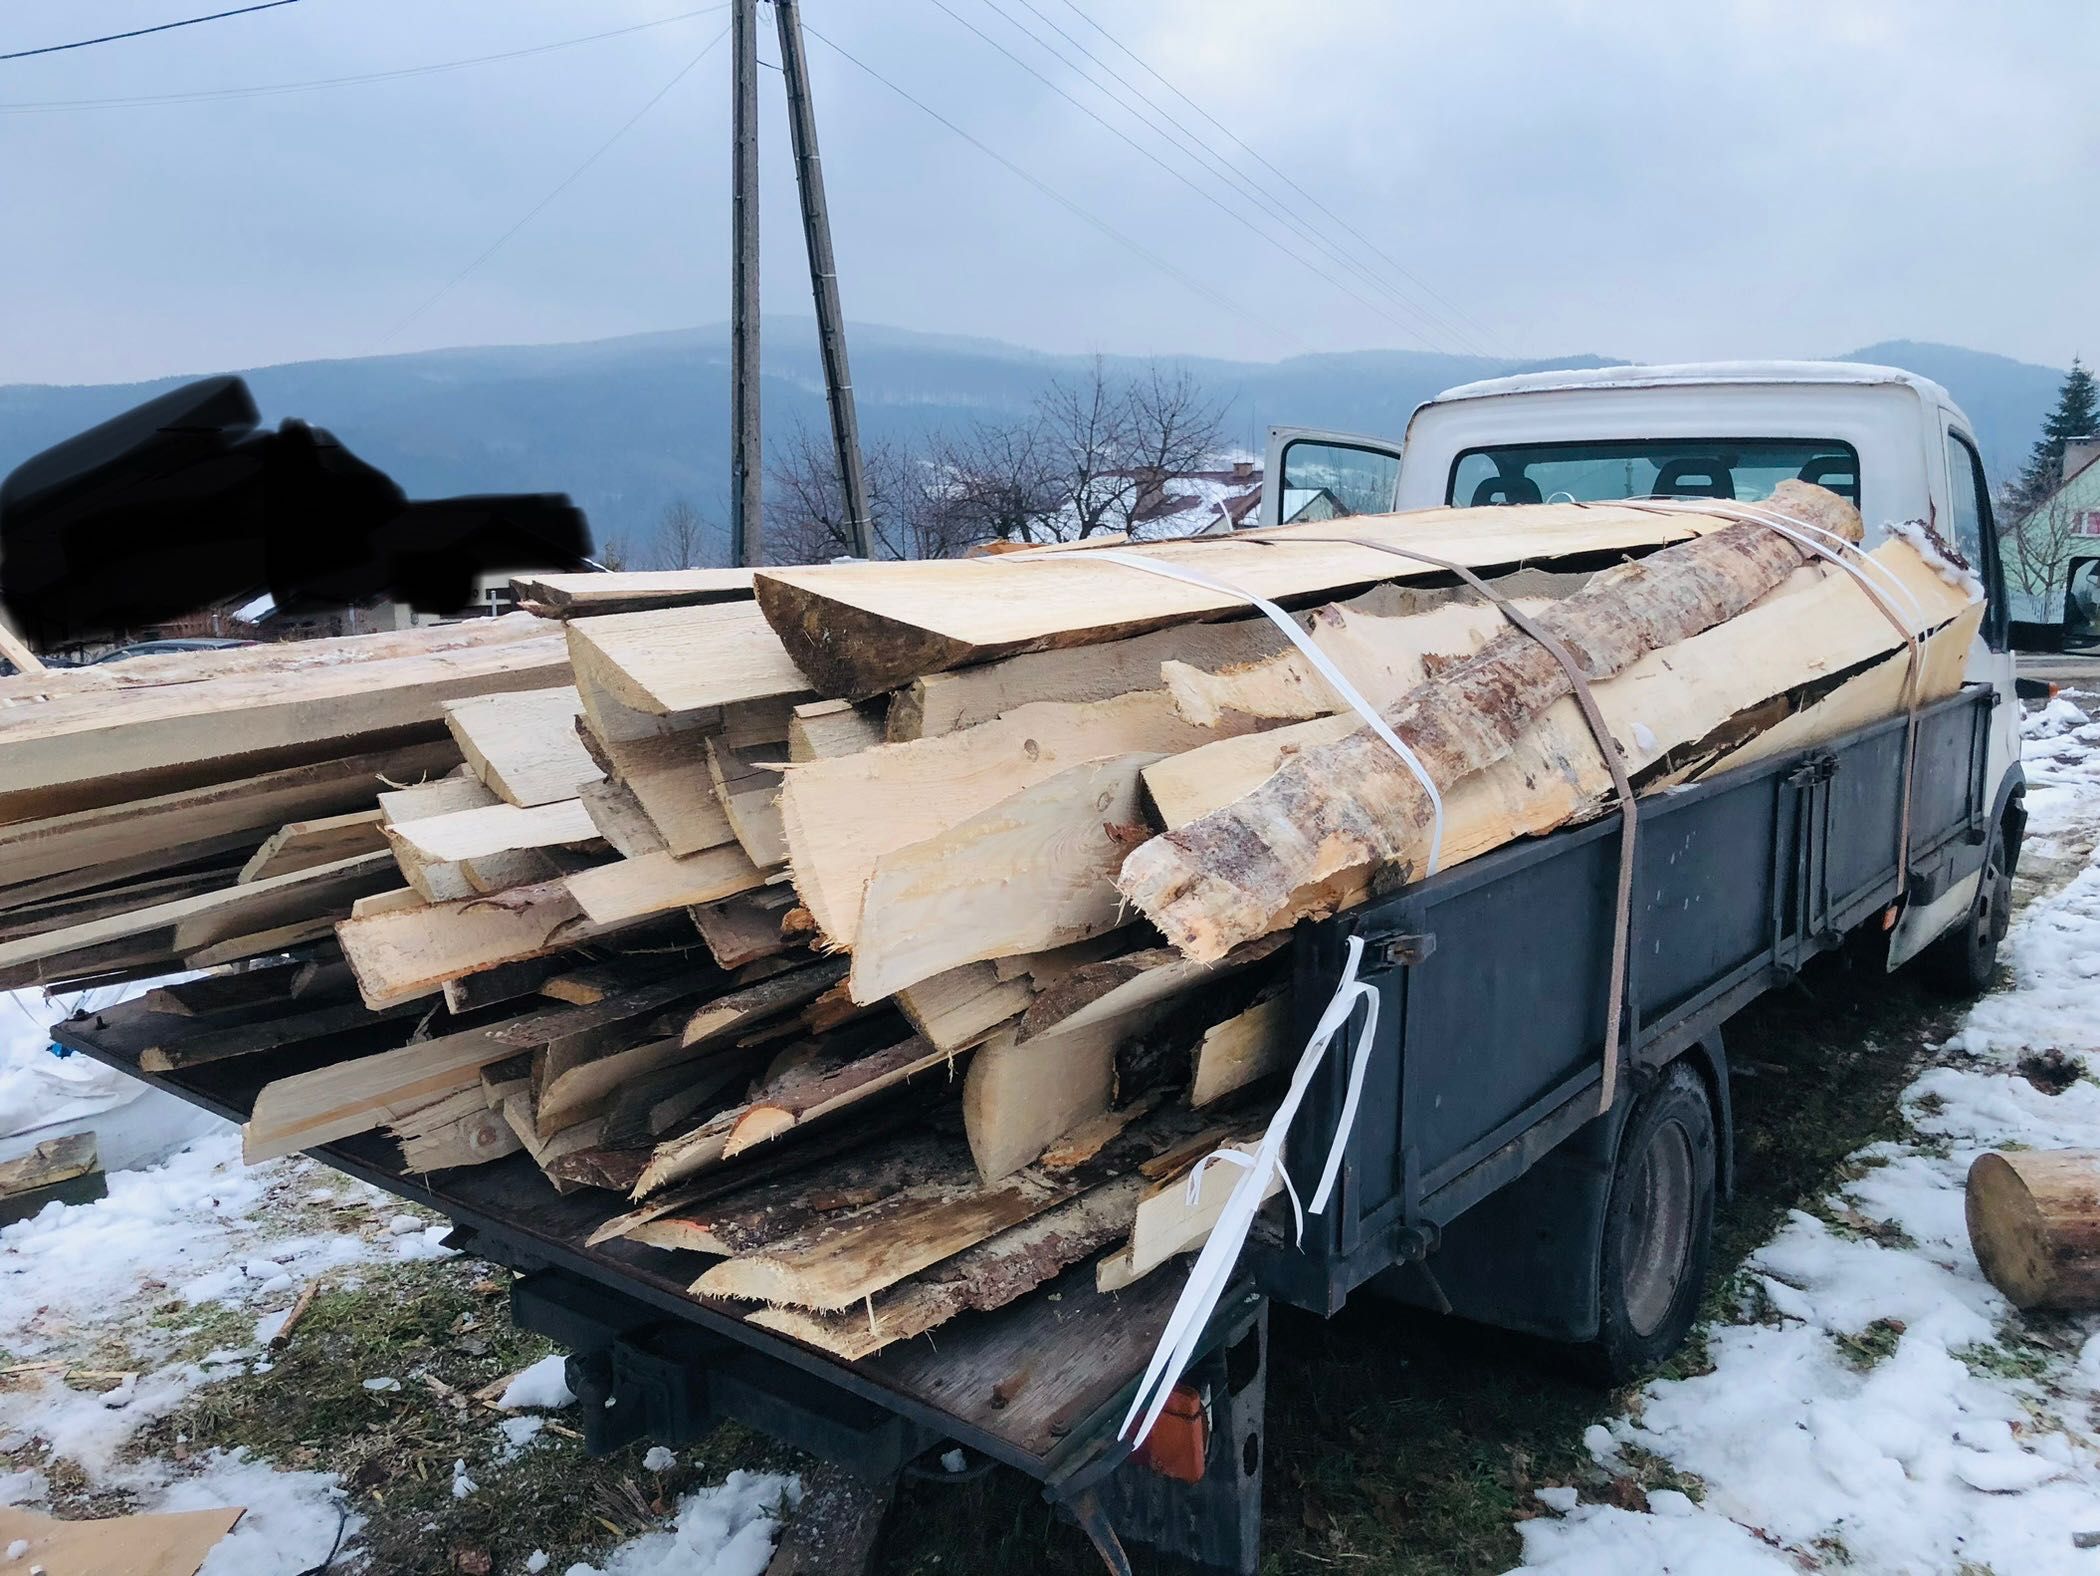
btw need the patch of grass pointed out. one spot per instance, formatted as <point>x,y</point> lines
<point>1871,1347</point>
<point>443,1331</point>
<point>1851,1224</point>
<point>2014,1355</point>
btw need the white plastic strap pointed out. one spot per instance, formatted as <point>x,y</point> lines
<point>1221,1251</point>
<point>1312,653</point>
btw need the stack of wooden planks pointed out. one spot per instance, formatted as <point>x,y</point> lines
<point>897,936</point>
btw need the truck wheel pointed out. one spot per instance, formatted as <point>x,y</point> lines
<point>1658,1227</point>
<point>1962,962</point>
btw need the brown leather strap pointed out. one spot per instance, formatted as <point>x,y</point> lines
<point>1607,746</point>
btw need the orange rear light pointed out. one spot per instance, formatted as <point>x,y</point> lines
<point>1180,1439</point>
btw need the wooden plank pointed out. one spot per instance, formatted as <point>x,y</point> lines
<point>412,952</point>
<point>835,1264</point>
<point>960,1008</point>
<point>171,859</point>
<point>249,989</point>
<point>507,982</point>
<point>300,845</point>
<point>94,737</point>
<point>990,1275</point>
<point>1032,873</point>
<point>495,829</point>
<point>16,650</point>
<point>144,828</point>
<point>1384,657</point>
<point>364,1093</point>
<point>522,746</point>
<point>54,1160</point>
<point>820,729</point>
<point>631,591</point>
<point>745,928</point>
<point>940,703</point>
<point>731,1217</point>
<point>422,801</point>
<point>247,1039</point>
<point>860,629</point>
<point>473,1138</point>
<point>1166,1223</point>
<point>1020,1098</point>
<point>841,815</point>
<point>260,943</point>
<point>1242,1050</point>
<point>791,1103</point>
<point>620,819</point>
<point>685,659</point>
<point>749,793</point>
<point>656,883</point>
<point>85,907</point>
<point>196,922</point>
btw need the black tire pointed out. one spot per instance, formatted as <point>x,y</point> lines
<point>1658,1227</point>
<point>1963,962</point>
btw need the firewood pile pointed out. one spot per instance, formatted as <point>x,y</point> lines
<point>894,936</point>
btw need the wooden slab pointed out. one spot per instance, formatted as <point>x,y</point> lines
<point>683,659</point>
<point>656,883</point>
<point>300,845</point>
<point>582,595</point>
<point>860,629</point>
<point>523,745</point>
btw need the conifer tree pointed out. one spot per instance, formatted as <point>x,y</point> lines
<point>2077,415</point>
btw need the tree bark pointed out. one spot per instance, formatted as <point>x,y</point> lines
<point>1232,874</point>
<point>2034,1221</point>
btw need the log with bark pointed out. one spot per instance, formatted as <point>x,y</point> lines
<point>2034,1222</point>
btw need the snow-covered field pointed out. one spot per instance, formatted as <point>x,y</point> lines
<point>1873,1404</point>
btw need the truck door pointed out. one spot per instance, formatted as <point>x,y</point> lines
<point>1967,523</point>
<point>1315,475</point>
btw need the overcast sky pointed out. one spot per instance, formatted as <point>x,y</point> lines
<point>1648,178</point>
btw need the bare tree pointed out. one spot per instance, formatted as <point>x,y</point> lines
<point>2036,548</point>
<point>680,536</point>
<point>615,552</point>
<point>806,519</point>
<point>1114,445</point>
<point>998,482</point>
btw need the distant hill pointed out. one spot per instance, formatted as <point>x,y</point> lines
<point>624,425</point>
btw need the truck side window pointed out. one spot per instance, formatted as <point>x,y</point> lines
<point>1323,481</point>
<point>1971,531</point>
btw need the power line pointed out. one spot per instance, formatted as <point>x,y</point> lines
<point>141,32</point>
<point>1045,188</point>
<point>565,183</point>
<point>1386,257</point>
<point>1201,149</point>
<point>258,90</point>
<point>1225,208</point>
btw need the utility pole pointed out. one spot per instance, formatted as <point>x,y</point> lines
<point>746,459</point>
<point>823,277</point>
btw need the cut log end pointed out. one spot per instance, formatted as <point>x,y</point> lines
<point>2034,1222</point>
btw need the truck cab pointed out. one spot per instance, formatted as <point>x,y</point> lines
<point>1893,443</point>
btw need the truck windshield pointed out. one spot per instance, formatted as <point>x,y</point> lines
<point>1592,472</point>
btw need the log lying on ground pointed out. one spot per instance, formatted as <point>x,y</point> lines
<point>1232,875</point>
<point>2034,1222</point>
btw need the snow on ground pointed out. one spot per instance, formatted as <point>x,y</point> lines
<point>99,1304</point>
<point>1875,1404</point>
